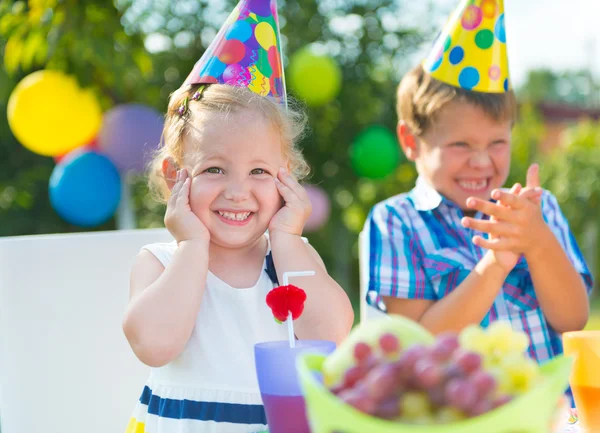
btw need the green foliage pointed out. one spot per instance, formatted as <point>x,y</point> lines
<point>571,173</point>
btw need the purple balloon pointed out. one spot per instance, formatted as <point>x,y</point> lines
<point>129,135</point>
<point>260,7</point>
<point>320,208</point>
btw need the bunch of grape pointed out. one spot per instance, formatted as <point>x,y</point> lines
<point>445,382</point>
<point>503,352</point>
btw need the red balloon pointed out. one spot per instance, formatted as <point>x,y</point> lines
<point>207,79</point>
<point>232,51</point>
<point>92,146</point>
<point>275,61</point>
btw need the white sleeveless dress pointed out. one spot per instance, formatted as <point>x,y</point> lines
<point>212,387</point>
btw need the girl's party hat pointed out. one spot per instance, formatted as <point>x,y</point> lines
<point>246,52</point>
<point>470,52</point>
<point>287,302</point>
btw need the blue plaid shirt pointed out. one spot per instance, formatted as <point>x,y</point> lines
<point>418,249</point>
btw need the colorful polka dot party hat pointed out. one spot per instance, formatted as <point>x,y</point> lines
<point>470,52</point>
<point>246,52</point>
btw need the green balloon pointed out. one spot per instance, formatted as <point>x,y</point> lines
<point>317,79</point>
<point>375,153</point>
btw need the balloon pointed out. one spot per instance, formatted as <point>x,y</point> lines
<point>265,35</point>
<point>130,134</point>
<point>51,115</point>
<point>240,31</point>
<point>321,208</point>
<point>232,51</point>
<point>259,84</point>
<point>375,153</point>
<point>315,78</point>
<point>85,189</point>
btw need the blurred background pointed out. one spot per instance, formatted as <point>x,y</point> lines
<point>132,54</point>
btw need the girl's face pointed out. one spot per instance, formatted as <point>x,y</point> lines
<point>233,162</point>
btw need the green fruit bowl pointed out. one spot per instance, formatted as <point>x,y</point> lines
<point>531,412</point>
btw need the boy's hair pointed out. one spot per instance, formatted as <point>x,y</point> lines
<point>192,105</point>
<point>421,98</point>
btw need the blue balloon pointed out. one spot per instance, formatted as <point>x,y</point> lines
<point>241,31</point>
<point>85,189</point>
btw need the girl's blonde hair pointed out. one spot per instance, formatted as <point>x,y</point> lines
<point>186,113</point>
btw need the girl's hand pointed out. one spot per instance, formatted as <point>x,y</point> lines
<point>296,209</point>
<point>181,222</point>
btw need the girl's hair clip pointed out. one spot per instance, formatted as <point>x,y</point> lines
<point>183,107</point>
<point>195,97</point>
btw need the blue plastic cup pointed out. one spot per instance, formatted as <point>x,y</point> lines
<point>278,382</point>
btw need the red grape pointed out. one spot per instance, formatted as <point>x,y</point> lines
<point>467,361</point>
<point>445,346</point>
<point>362,351</point>
<point>481,407</point>
<point>427,373</point>
<point>389,344</point>
<point>353,375</point>
<point>484,382</point>
<point>389,409</point>
<point>358,398</point>
<point>381,382</point>
<point>461,394</point>
<point>502,400</point>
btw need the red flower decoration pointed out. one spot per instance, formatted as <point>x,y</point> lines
<point>285,299</point>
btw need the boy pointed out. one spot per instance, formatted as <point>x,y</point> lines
<point>457,250</point>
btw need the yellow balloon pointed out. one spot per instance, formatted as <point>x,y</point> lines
<point>265,35</point>
<point>259,84</point>
<point>51,115</point>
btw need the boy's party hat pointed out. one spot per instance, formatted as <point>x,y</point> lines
<point>246,52</point>
<point>470,52</point>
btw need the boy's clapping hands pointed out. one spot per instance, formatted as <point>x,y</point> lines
<point>516,221</point>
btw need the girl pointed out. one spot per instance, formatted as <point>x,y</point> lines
<point>197,305</point>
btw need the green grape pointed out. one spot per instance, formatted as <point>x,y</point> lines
<point>449,414</point>
<point>519,342</point>
<point>521,372</point>
<point>423,420</point>
<point>504,381</point>
<point>415,405</point>
<point>501,334</point>
<point>475,339</point>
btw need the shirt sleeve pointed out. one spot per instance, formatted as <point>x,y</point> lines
<point>560,227</point>
<point>395,266</point>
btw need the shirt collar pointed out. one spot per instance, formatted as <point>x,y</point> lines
<point>425,197</point>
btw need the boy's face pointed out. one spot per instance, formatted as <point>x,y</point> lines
<point>465,153</point>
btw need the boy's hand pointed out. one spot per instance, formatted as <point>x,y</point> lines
<point>516,222</point>
<point>181,222</point>
<point>296,209</point>
<point>507,258</point>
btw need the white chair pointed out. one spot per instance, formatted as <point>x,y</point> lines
<point>65,365</point>
<point>367,311</point>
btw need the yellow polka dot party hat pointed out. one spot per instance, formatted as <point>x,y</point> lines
<point>246,52</point>
<point>470,51</point>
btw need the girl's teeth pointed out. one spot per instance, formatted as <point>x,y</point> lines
<point>241,216</point>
